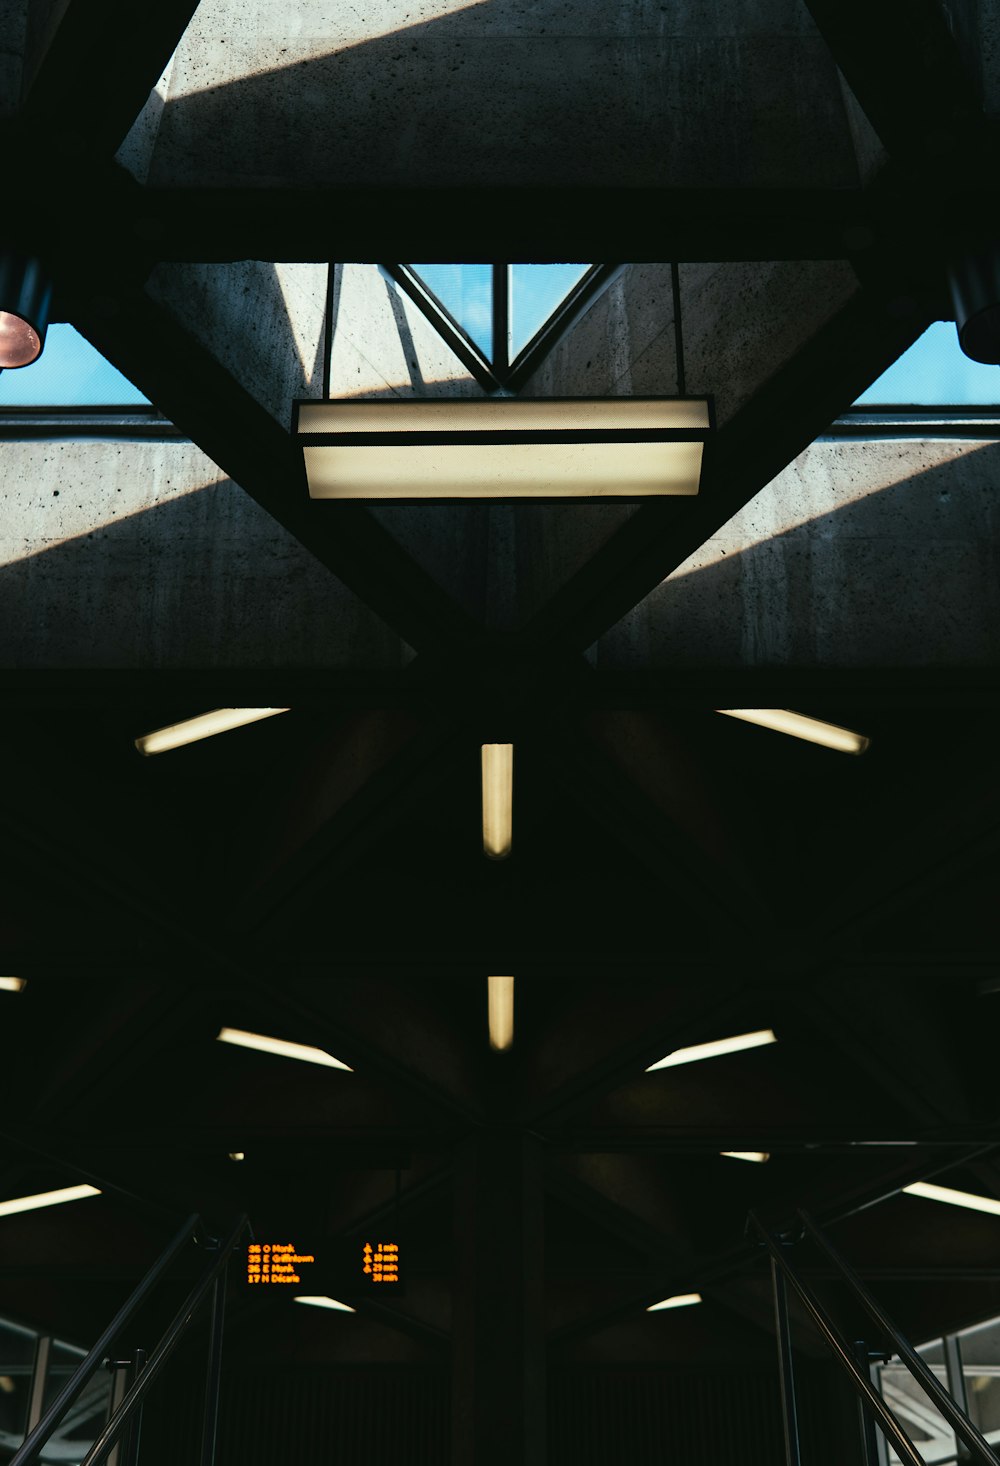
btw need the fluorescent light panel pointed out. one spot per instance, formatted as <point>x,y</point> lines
<point>281,1047</point>
<point>748,1155</point>
<point>716,1049</point>
<point>968,1199</point>
<point>12,984</point>
<point>206,725</point>
<point>318,1302</point>
<point>438,462</point>
<point>46,1198</point>
<point>501,1012</point>
<point>498,799</point>
<point>679,1300</point>
<point>797,725</point>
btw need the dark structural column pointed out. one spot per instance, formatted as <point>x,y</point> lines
<point>498,1370</point>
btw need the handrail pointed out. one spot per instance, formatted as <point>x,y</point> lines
<point>33,1442</point>
<point>925,1377</point>
<point>168,1343</point>
<point>839,1347</point>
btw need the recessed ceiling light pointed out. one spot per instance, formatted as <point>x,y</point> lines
<point>237,1155</point>
<point>325,1303</point>
<point>967,1199</point>
<point>12,984</point>
<point>500,1004</point>
<point>679,1300</point>
<point>206,725</point>
<point>716,1049</point>
<point>748,1155</point>
<point>498,799</point>
<point>281,1047</point>
<point>46,1198</point>
<point>797,725</point>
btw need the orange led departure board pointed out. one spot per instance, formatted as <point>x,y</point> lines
<point>380,1263</point>
<point>276,1263</point>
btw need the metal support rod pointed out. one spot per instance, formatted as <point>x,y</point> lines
<point>213,1372</point>
<point>37,1436</point>
<point>841,1350</point>
<point>786,1368</point>
<point>501,318</point>
<point>869,1444</point>
<point>39,1374</point>
<point>130,1436</point>
<point>932,1386</point>
<point>178,1326</point>
<point>956,1382</point>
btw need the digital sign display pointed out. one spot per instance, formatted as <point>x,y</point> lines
<point>380,1264</point>
<point>276,1264</point>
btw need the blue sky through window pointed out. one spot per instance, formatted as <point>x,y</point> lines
<point>534,292</point>
<point>935,372</point>
<point>69,373</point>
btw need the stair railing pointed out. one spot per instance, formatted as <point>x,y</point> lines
<point>126,1415</point>
<point>855,1360</point>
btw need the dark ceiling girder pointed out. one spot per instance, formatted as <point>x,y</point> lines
<point>780,421</point>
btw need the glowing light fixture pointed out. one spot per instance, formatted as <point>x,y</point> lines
<point>25,297</point>
<point>46,1198</point>
<point>503,447</point>
<point>968,1199</point>
<point>237,1155</point>
<point>501,1012</point>
<point>319,1302</point>
<point>716,1049</point>
<point>498,799</point>
<point>679,1300</point>
<point>206,725</point>
<point>748,1155</point>
<point>279,1046</point>
<point>797,725</point>
<point>12,984</point>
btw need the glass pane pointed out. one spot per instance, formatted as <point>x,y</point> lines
<point>82,1422</point>
<point>69,373</point>
<point>466,292</point>
<point>981,1367</point>
<point>935,372</point>
<point>535,292</point>
<point>17,1355</point>
<point>927,1429</point>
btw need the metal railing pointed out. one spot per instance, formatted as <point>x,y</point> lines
<point>855,1358</point>
<point>122,1429</point>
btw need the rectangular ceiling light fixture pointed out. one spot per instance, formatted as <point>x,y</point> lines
<point>679,1300</point>
<point>498,799</point>
<point>716,1049</point>
<point>760,1156</point>
<point>46,1198</point>
<point>968,1199</point>
<point>501,1012</point>
<point>204,726</point>
<point>797,725</point>
<point>503,447</point>
<point>325,1303</point>
<point>12,984</point>
<point>281,1047</point>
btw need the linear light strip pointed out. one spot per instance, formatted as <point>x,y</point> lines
<point>206,725</point>
<point>285,1050</point>
<point>679,1300</point>
<point>320,1302</point>
<point>748,1155</point>
<point>12,984</point>
<point>501,1012</point>
<point>715,1050</point>
<point>968,1199</point>
<point>797,725</point>
<point>46,1198</point>
<point>498,799</point>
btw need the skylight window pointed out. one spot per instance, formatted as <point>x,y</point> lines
<point>935,372</point>
<point>500,319</point>
<point>69,373</point>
